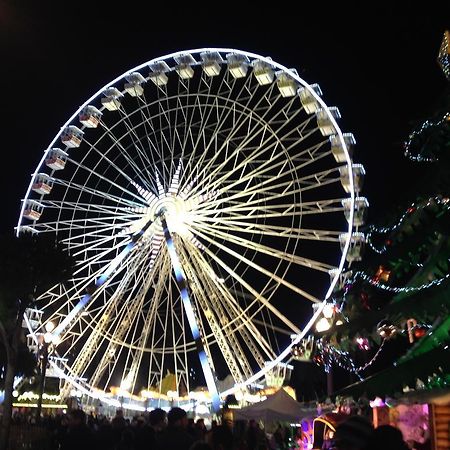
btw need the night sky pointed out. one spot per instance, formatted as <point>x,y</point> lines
<point>378,66</point>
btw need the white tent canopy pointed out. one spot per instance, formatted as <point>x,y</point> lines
<point>279,407</point>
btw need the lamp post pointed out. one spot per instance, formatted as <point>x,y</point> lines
<point>48,339</point>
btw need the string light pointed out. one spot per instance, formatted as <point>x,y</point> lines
<point>425,126</point>
<point>432,201</point>
<point>397,289</point>
<point>331,355</point>
<point>443,56</point>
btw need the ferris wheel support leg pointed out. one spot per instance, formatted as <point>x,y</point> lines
<point>183,287</point>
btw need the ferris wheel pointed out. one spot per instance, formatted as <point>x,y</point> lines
<point>207,196</point>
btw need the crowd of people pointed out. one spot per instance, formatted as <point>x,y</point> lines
<point>158,430</point>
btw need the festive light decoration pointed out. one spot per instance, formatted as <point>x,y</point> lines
<point>427,125</point>
<point>386,329</point>
<point>363,343</point>
<point>420,332</point>
<point>444,55</point>
<point>397,289</point>
<point>417,247</point>
<point>328,355</point>
<point>303,350</point>
<point>444,202</point>
<point>411,323</point>
<point>382,274</point>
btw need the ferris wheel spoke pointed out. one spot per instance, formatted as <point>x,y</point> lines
<point>256,211</point>
<point>104,195</point>
<point>267,144</point>
<point>232,318</point>
<point>148,131</point>
<point>108,180</point>
<point>270,211</point>
<point>125,323</point>
<point>306,183</point>
<point>206,298</point>
<point>81,207</point>
<point>135,145</point>
<point>259,268</point>
<point>99,333</point>
<point>220,119</point>
<point>103,158</point>
<point>252,291</point>
<point>171,116</point>
<point>273,230</point>
<point>201,110</point>
<point>164,141</point>
<point>148,120</point>
<point>238,122</point>
<point>265,168</point>
<point>130,135</point>
<point>275,253</point>
<point>250,135</point>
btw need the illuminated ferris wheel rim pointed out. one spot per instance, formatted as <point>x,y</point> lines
<point>254,56</point>
<point>293,74</point>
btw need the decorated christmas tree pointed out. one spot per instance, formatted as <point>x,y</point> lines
<point>398,296</point>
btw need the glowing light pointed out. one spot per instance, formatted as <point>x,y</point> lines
<point>328,311</point>
<point>49,327</point>
<point>363,343</point>
<point>322,325</point>
<point>377,402</point>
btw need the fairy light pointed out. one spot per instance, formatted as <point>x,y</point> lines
<point>444,55</point>
<point>331,355</point>
<point>397,289</point>
<point>432,201</point>
<point>425,126</point>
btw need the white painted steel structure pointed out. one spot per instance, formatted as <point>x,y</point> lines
<point>235,149</point>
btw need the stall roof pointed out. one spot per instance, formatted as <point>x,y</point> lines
<point>279,407</point>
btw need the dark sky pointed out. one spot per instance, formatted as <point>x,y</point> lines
<point>378,66</point>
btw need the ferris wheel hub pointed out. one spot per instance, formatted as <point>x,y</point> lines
<point>174,209</point>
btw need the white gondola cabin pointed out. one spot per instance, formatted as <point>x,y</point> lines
<point>263,72</point>
<point>324,122</point>
<point>211,63</point>
<point>343,278</point>
<point>90,116</point>
<point>134,86</point>
<point>71,136</point>
<point>159,72</point>
<point>237,65</point>
<point>111,99</point>
<point>358,177</point>
<point>356,248</point>
<point>286,84</point>
<point>56,159</point>
<point>360,212</point>
<point>42,184</point>
<point>338,149</point>
<point>26,229</point>
<point>308,101</point>
<point>33,210</point>
<point>34,318</point>
<point>184,68</point>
